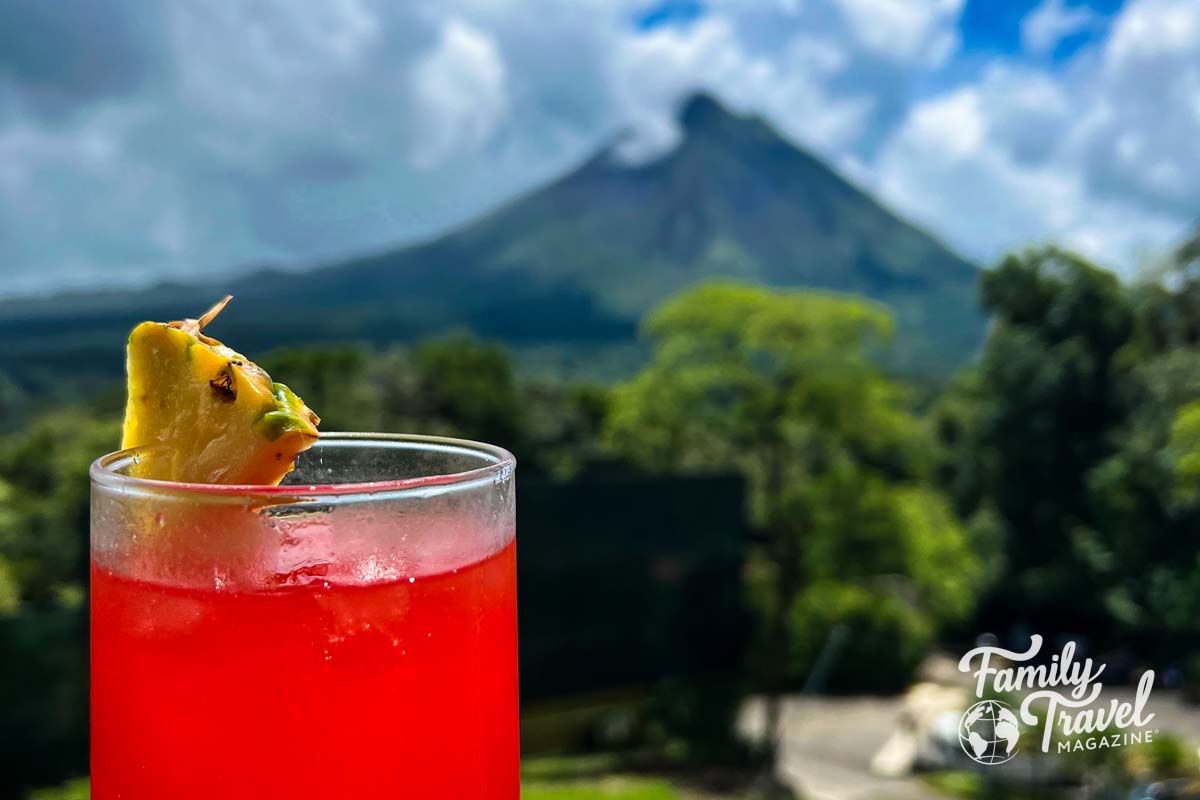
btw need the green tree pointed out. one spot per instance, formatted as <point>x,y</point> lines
<point>1147,493</point>
<point>43,574</point>
<point>564,427</point>
<point>44,504</point>
<point>333,380</point>
<point>13,404</point>
<point>1075,440</point>
<point>781,387</point>
<point>1026,430</point>
<point>1184,449</point>
<point>457,386</point>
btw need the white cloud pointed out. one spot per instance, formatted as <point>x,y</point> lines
<point>943,166</point>
<point>653,71</point>
<point>1051,22</point>
<point>98,196</point>
<point>1141,120</point>
<point>1154,29</point>
<point>1023,156</point>
<point>911,31</point>
<point>461,94</point>
<point>267,131</point>
<point>271,132</point>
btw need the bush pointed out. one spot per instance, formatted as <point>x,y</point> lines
<point>693,720</point>
<point>1167,756</point>
<point>73,790</point>
<point>883,639</point>
<point>1191,678</point>
<point>43,691</point>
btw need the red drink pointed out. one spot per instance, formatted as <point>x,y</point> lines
<point>350,677</point>
<point>325,691</point>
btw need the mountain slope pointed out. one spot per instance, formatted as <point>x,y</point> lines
<point>581,260</point>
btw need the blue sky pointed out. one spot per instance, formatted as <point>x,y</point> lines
<point>994,26</point>
<point>145,142</point>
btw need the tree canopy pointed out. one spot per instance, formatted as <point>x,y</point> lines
<point>782,388</point>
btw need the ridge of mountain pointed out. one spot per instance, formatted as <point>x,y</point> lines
<point>582,259</point>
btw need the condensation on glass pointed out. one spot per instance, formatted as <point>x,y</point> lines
<point>356,508</point>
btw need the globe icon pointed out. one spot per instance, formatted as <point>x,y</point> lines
<point>988,732</point>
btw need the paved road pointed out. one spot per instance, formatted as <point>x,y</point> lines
<point>828,744</point>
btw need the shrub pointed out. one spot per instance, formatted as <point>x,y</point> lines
<point>882,638</point>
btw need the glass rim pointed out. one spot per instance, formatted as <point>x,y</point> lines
<point>104,471</point>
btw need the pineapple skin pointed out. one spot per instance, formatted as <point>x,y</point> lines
<point>206,414</point>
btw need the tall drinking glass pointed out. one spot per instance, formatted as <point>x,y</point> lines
<point>350,634</point>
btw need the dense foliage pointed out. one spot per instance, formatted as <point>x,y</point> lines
<point>1074,442</point>
<point>781,388</point>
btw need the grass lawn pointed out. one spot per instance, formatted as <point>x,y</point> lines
<point>612,788</point>
<point>72,790</point>
<point>582,778</point>
<point>608,788</point>
<point>965,784</point>
<point>597,777</point>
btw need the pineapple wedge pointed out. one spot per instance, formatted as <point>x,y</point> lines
<point>205,413</point>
